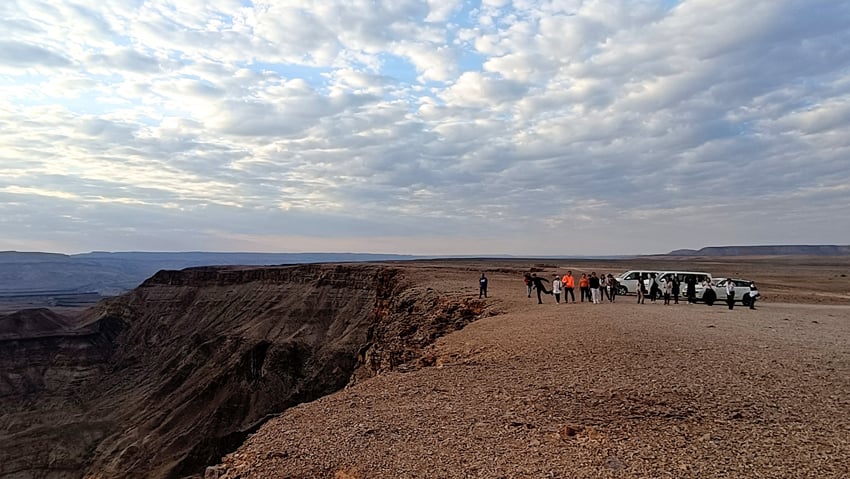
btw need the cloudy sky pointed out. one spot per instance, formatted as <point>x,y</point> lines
<point>423,126</point>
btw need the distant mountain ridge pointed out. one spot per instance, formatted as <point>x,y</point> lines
<point>110,273</point>
<point>48,278</point>
<point>772,250</point>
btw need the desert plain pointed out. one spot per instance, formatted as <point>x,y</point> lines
<point>615,390</point>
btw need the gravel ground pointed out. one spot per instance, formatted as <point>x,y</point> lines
<point>600,391</point>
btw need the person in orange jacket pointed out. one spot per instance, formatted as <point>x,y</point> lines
<point>569,286</point>
<point>584,287</point>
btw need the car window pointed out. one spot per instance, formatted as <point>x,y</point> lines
<point>631,276</point>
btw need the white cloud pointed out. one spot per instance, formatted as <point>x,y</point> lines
<point>391,124</point>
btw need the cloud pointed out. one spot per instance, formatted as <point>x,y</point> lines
<point>424,127</point>
<point>17,54</point>
<point>124,60</point>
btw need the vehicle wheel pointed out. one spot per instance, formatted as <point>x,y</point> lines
<point>622,290</point>
<point>709,297</point>
<point>745,300</point>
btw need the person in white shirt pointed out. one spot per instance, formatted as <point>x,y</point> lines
<point>754,294</point>
<point>730,293</point>
<point>557,285</point>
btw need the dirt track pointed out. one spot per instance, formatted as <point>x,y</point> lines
<point>581,390</point>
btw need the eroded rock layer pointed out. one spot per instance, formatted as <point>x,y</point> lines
<point>164,380</point>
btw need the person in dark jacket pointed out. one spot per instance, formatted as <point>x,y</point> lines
<point>594,287</point>
<point>691,283</point>
<point>482,286</point>
<point>611,285</point>
<point>654,289</point>
<point>540,285</point>
<point>676,290</point>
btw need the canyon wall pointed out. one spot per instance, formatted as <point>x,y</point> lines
<point>164,380</point>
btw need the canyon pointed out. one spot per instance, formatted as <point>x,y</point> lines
<point>399,369</point>
<point>166,379</point>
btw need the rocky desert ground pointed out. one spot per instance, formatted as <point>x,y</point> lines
<point>616,390</point>
<point>398,369</point>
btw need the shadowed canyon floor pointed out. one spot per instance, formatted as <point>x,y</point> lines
<point>608,391</point>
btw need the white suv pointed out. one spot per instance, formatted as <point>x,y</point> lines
<point>701,278</point>
<point>742,289</point>
<point>629,280</point>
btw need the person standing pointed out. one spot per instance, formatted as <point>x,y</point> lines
<point>538,283</point>
<point>602,287</point>
<point>654,290</point>
<point>709,296</point>
<point>730,293</point>
<point>754,294</point>
<point>482,286</point>
<point>569,286</point>
<point>640,289</point>
<point>691,283</point>
<point>611,284</point>
<point>584,287</point>
<point>556,288</point>
<point>593,282</point>
<point>527,278</point>
<point>668,291</point>
<point>676,289</point>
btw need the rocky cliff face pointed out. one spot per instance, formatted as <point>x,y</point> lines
<point>164,380</point>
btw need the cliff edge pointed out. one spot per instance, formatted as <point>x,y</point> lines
<point>166,379</point>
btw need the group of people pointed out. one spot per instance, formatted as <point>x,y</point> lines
<point>669,289</point>
<point>593,288</point>
<point>597,289</point>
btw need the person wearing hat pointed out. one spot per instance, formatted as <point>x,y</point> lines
<point>556,288</point>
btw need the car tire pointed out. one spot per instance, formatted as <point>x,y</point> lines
<point>709,297</point>
<point>745,299</point>
<point>622,290</point>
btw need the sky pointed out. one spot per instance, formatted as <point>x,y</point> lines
<point>432,127</point>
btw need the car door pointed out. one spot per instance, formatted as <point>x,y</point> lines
<point>720,288</point>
